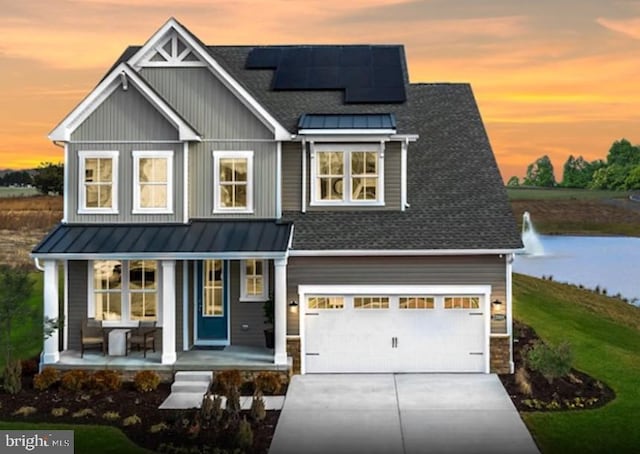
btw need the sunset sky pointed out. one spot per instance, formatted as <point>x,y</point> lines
<point>554,77</point>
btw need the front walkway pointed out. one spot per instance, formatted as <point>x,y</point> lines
<point>398,414</point>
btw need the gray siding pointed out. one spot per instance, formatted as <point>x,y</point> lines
<point>470,270</point>
<point>202,178</point>
<point>244,313</point>
<point>125,183</point>
<point>125,115</point>
<point>179,303</point>
<point>206,103</point>
<point>77,294</point>
<point>292,180</point>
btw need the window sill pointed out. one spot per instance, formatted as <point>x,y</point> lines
<point>253,299</point>
<point>346,204</point>
<point>145,211</point>
<point>97,211</point>
<point>232,211</point>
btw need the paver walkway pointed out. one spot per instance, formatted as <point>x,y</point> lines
<point>399,414</point>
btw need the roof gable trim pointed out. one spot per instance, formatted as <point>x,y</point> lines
<point>121,75</point>
<point>172,25</point>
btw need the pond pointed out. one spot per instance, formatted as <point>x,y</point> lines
<point>612,263</point>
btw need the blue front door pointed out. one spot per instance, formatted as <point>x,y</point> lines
<point>212,303</point>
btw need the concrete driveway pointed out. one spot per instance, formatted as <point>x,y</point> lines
<point>401,413</point>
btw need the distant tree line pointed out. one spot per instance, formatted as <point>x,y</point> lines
<point>48,178</point>
<point>620,171</point>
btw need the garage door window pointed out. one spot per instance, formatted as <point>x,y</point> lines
<point>417,302</point>
<point>461,302</point>
<point>371,302</point>
<point>325,302</point>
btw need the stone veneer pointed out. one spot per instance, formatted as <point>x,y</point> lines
<point>500,354</point>
<point>293,350</point>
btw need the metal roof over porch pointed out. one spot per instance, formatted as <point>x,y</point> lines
<point>197,239</point>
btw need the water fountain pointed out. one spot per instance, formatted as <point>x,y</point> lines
<point>530,238</point>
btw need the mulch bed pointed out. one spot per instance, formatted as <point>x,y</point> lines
<point>576,391</point>
<point>184,429</point>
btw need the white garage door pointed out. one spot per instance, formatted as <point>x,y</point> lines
<point>415,331</point>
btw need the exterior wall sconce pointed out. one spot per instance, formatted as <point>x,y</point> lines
<point>496,305</point>
<point>293,306</point>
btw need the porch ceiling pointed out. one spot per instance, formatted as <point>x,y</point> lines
<point>197,239</point>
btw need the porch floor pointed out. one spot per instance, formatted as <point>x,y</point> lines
<point>231,357</point>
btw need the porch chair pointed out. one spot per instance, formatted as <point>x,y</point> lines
<point>144,336</point>
<point>92,335</point>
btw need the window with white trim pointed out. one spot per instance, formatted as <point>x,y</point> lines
<point>153,181</point>
<point>347,174</point>
<point>233,181</point>
<point>254,280</point>
<point>124,292</point>
<point>98,192</point>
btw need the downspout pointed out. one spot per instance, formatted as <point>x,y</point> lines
<point>185,184</point>
<point>36,262</point>
<point>279,179</point>
<point>304,176</point>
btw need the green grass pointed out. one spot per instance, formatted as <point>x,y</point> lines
<point>563,194</point>
<point>98,439</point>
<point>17,192</point>
<point>605,337</point>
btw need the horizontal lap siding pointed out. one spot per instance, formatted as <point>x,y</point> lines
<point>471,270</point>
<point>179,302</point>
<point>291,176</point>
<point>249,313</point>
<point>77,297</point>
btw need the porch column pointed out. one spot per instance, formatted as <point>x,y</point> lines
<point>168,311</point>
<point>280,307</point>
<point>509,308</point>
<point>50,353</point>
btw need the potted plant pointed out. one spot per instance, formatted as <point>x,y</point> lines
<point>269,315</point>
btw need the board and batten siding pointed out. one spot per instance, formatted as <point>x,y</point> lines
<point>206,103</point>
<point>292,180</point>
<point>125,115</point>
<point>125,183</point>
<point>202,180</point>
<point>436,270</point>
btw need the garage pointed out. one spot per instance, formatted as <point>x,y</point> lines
<point>379,329</point>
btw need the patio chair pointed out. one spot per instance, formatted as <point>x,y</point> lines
<point>92,335</point>
<point>144,336</point>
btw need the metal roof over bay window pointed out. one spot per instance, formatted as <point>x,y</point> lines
<point>347,123</point>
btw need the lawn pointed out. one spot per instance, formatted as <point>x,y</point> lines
<point>98,439</point>
<point>605,335</point>
<point>563,194</point>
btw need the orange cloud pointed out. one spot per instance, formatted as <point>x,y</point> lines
<point>628,27</point>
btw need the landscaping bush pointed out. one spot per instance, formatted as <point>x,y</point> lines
<point>59,411</point>
<point>46,379</point>
<point>25,411</point>
<point>269,382</point>
<point>74,380</point>
<point>131,420</point>
<point>233,404</point>
<point>551,361</point>
<point>243,438</point>
<point>522,380</point>
<point>12,379</point>
<point>257,412</point>
<point>146,381</point>
<point>228,380</point>
<point>211,408</point>
<point>106,380</point>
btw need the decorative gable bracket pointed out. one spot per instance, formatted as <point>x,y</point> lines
<point>171,51</point>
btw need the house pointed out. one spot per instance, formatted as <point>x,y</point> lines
<point>202,181</point>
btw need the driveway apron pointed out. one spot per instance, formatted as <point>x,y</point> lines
<point>399,414</point>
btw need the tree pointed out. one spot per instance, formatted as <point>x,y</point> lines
<point>540,173</point>
<point>623,154</point>
<point>49,178</point>
<point>577,172</point>
<point>633,178</point>
<point>17,178</point>
<point>513,182</point>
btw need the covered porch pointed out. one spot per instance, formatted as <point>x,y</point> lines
<point>194,276</point>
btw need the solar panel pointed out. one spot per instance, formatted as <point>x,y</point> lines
<point>367,74</point>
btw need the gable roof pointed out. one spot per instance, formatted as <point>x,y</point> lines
<point>107,86</point>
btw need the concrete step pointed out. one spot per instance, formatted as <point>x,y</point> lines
<point>190,387</point>
<point>194,376</point>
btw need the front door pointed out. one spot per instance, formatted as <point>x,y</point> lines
<point>212,303</point>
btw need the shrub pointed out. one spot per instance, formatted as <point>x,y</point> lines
<point>146,381</point>
<point>233,404</point>
<point>84,413</point>
<point>106,380</point>
<point>228,380</point>
<point>551,361</point>
<point>74,380</point>
<point>59,411</point>
<point>211,409</point>
<point>522,380</point>
<point>46,379</point>
<point>269,382</point>
<point>243,438</point>
<point>131,420</point>
<point>111,415</point>
<point>160,427</point>
<point>29,366</point>
<point>25,411</point>
<point>257,412</point>
<point>12,379</point>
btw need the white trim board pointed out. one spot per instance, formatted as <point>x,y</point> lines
<point>396,252</point>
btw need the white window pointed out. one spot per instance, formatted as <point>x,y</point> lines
<point>153,181</point>
<point>254,275</point>
<point>347,174</point>
<point>233,181</point>
<point>123,292</point>
<point>98,192</point>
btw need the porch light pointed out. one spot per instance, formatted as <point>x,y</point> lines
<point>293,303</point>
<point>496,304</point>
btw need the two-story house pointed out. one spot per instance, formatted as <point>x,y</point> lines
<point>202,181</point>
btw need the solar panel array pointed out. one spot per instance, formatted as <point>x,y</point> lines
<point>367,74</point>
